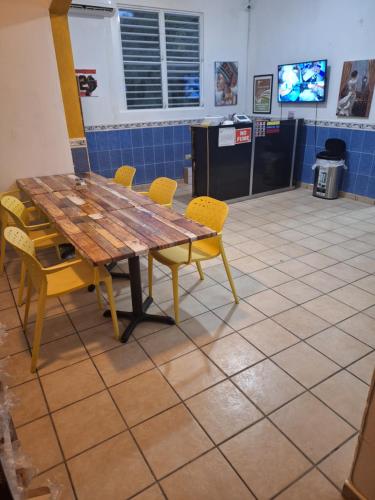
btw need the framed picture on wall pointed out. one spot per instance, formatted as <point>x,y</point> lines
<point>262,94</point>
<point>226,83</point>
<point>356,88</point>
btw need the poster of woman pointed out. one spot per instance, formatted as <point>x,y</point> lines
<point>226,80</point>
<point>356,88</point>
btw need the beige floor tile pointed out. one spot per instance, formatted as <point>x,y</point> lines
<point>357,246</point>
<point>232,353</point>
<point>323,281</point>
<point>317,260</point>
<point>6,300</point>
<point>191,374</point>
<point>338,346</point>
<point>57,476</point>
<point>143,397</point>
<point>113,469</point>
<point>270,302</point>
<point>267,385</point>
<point>313,243</point>
<point>18,368</point>
<point>53,328</point>
<point>361,327</point>
<point>4,285</point>
<point>165,451</point>
<point>338,253</point>
<point>205,328</point>
<point>293,250</point>
<point>371,312</point>
<point>100,338</point>
<point>265,459</point>
<point>311,487</point>
<point>191,282</point>
<point>305,364</point>
<point>240,315</point>
<point>163,291</point>
<point>364,368</point>
<point>71,384</point>
<point>13,342</point>
<point>354,297</point>
<point>362,262</point>
<point>10,318</point>
<point>30,403</point>
<point>152,493</point>
<point>188,306</point>
<point>60,353</point>
<point>122,363</point>
<point>271,277</point>
<point>295,268</point>
<point>219,274</point>
<point>245,286</point>
<point>329,309</point>
<point>338,465</point>
<point>210,476</point>
<point>88,316</point>
<point>297,291</point>
<point>38,440</point>
<point>251,247</point>
<point>367,284</point>
<point>87,423</point>
<point>248,264</point>
<point>313,427</point>
<point>53,308</point>
<point>214,296</point>
<point>167,344</point>
<point>301,322</point>
<point>346,395</point>
<point>269,337</point>
<point>271,257</point>
<point>345,272</point>
<point>78,299</point>
<point>223,411</point>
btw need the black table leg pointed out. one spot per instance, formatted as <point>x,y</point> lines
<point>139,312</point>
<point>109,267</point>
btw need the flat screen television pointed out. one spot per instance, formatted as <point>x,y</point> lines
<point>302,82</point>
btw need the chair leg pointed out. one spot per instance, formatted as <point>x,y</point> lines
<point>229,274</point>
<point>58,253</point>
<point>200,270</point>
<point>98,295</point>
<point>22,284</point>
<point>38,330</point>
<point>112,306</point>
<point>150,277</point>
<point>2,250</point>
<point>27,305</point>
<point>174,270</point>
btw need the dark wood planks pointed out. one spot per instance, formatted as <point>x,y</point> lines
<point>107,222</point>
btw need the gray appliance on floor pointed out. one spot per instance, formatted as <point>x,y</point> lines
<point>328,168</point>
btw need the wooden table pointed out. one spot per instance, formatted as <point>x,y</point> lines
<point>107,223</point>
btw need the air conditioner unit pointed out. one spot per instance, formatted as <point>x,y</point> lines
<point>92,8</point>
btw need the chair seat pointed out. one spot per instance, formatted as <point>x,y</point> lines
<point>72,278</point>
<point>201,250</point>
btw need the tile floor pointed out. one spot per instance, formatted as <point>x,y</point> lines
<point>260,400</point>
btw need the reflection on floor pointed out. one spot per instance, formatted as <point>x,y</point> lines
<point>263,399</point>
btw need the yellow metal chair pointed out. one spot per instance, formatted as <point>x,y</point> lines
<point>211,213</point>
<point>125,175</point>
<point>162,191</point>
<point>54,281</point>
<point>44,235</point>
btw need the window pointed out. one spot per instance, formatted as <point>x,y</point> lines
<point>161,58</point>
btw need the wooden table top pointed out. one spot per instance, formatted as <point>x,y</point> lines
<point>107,222</point>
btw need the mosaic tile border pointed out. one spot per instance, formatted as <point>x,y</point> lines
<point>124,126</point>
<point>79,142</point>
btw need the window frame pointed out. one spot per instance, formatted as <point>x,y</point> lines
<point>163,58</point>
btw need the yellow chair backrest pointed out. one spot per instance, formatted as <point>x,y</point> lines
<point>208,212</point>
<point>16,209</point>
<point>125,175</point>
<point>162,190</point>
<point>21,242</point>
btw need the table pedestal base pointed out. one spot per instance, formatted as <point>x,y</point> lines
<point>139,314</point>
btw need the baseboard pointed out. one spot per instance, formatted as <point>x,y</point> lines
<point>342,194</point>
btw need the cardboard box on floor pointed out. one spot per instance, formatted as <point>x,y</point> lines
<point>361,483</point>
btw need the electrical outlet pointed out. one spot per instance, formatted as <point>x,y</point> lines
<point>187,157</point>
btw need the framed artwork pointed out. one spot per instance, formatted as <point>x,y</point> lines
<point>226,82</point>
<point>262,94</point>
<point>356,88</point>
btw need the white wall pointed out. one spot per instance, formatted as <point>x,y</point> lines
<point>33,134</point>
<point>96,45</point>
<point>293,30</point>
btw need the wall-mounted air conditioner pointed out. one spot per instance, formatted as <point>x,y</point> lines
<point>92,8</point>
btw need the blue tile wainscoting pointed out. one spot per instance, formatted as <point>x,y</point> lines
<point>155,151</point>
<point>359,179</point>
